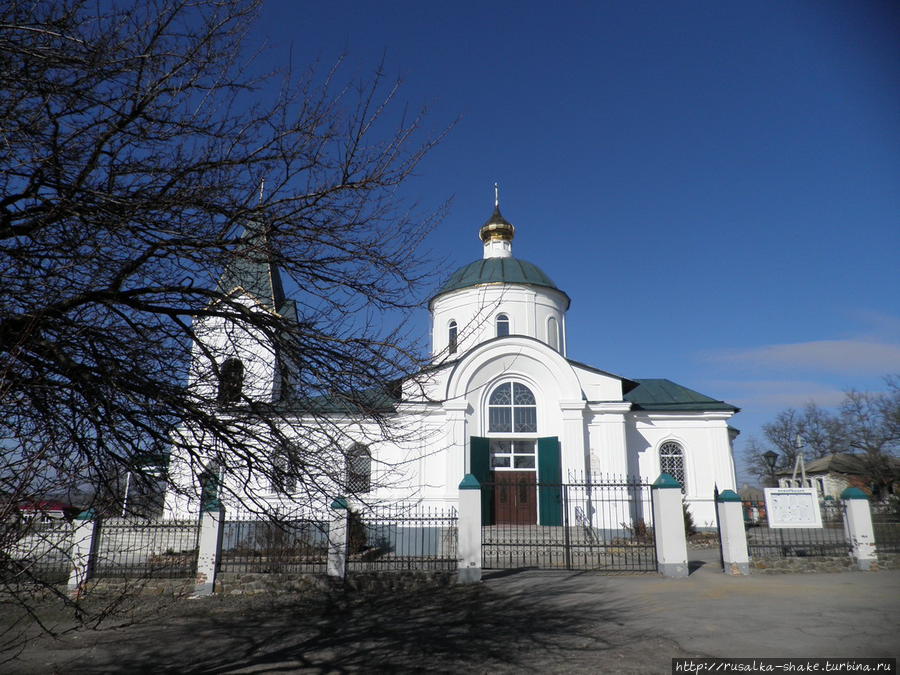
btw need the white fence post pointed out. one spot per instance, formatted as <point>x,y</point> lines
<point>85,538</point>
<point>668,527</point>
<point>212,524</point>
<point>732,535</point>
<point>469,531</point>
<point>858,526</point>
<point>338,539</point>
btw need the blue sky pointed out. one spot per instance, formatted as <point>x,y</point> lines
<point>715,184</point>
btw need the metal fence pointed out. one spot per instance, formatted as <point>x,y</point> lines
<point>766,542</point>
<point>38,553</point>
<point>886,523</point>
<point>603,525</point>
<point>132,549</point>
<point>402,537</point>
<point>269,546</point>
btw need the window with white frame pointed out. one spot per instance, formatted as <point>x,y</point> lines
<point>231,381</point>
<point>359,469</point>
<point>512,409</point>
<point>512,455</point>
<point>452,337</point>
<point>502,325</point>
<point>283,479</point>
<point>671,461</point>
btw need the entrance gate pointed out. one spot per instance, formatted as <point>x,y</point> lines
<point>603,526</point>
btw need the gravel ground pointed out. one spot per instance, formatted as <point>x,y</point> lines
<point>525,621</point>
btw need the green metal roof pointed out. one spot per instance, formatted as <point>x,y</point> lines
<point>254,269</point>
<point>662,395</point>
<point>497,270</point>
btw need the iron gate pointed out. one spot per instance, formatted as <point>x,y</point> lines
<point>604,526</point>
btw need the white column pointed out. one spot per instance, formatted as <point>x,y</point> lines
<point>85,538</point>
<point>572,441</point>
<point>455,412</point>
<point>212,523</point>
<point>469,531</point>
<point>858,526</point>
<point>733,537</point>
<point>668,527</point>
<point>338,540</point>
<point>608,440</point>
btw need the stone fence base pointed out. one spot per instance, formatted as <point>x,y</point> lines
<point>886,561</point>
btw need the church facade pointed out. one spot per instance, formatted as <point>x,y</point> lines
<point>502,400</point>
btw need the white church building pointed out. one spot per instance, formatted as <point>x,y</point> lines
<point>502,400</point>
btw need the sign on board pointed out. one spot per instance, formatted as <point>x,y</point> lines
<point>793,507</point>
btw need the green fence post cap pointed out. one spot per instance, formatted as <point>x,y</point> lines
<point>665,481</point>
<point>87,514</point>
<point>469,482</point>
<point>729,496</point>
<point>339,503</point>
<point>854,493</point>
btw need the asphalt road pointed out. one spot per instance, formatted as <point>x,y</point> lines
<point>515,621</point>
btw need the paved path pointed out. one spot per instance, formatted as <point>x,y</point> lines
<point>518,621</point>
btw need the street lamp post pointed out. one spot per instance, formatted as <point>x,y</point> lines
<point>770,459</point>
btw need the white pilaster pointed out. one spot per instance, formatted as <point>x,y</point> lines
<point>735,556</point>
<point>858,526</point>
<point>668,527</point>
<point>469,531</point>
<point>84,541</point>
<point>212,522</point>
<point>338,540</point>
<point>456,460</point>
<point>573,454</point>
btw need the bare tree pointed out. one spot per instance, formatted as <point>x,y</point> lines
<point>134,141</point>
<point>866,423</point>
<point>871,420</point>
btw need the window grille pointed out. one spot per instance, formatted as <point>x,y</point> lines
<point>512,408</point>
<point>671,461</point>
<point>359,469</point>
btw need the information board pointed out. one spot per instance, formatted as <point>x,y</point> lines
<point>793,507</point>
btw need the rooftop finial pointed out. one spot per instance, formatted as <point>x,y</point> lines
<point>262,187</point>
<point>496,195</point>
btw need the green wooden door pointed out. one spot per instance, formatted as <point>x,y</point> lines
<point>480,467</point>
<point>549,481</point>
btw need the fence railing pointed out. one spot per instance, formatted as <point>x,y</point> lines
<point>134,549</point>
<point>886,526</point>
<point>587,525</point>
<point>767,542</point>
<point>402,537</point>
<point>274,546</point>
<point>37,553</point>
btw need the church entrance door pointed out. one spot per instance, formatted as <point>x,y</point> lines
<point>515,498</point>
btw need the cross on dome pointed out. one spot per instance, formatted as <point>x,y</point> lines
<point>497,233</point>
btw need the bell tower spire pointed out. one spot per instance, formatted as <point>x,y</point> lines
<point>497,233</point>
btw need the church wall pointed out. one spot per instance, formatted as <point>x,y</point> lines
<point>222,340</point>
<point>475,310</point>
<point>704,440</point>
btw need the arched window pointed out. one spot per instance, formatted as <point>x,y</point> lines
<point>210,480</point>
<point>671,461</point>
<point>553,333</point>
<point>451,338</point>
<point>231,381</point>
<point>284,469</point>
<point>502,325</point>
<point>512,408</point>
<point>359,469</point>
